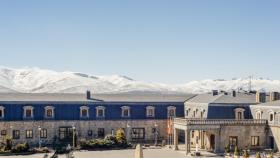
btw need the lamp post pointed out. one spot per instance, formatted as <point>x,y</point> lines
<point>73,133</point>
<point>39,129</point>
<point>156,134</point>
<point>127,133</point>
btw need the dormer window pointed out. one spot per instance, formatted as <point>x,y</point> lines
<point>84,112</point>
<point>100,112</point>
<point>150,111</point>
<point>239,113</point>
<point>171,111</point>
<point>28,112</point>
<point>49,112</point>
<point>125,111</point>
<point>2,112</point>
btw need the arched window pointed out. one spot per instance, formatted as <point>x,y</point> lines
<point>259,115</point>
<point>171,111</point>
<point>2,112</point>
<point>49,112</point>
<point>125,111</point>
<point>239,113</point>
<point>27,112</point>
<point>271,116</point>
<point>84,112</point>
<point>100,111</point>
<point>150,111</point>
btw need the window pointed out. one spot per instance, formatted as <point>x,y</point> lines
<point>138,133</point>
<point>3,132</point>
<point>28,112</point>
<point>192,134</point>
<point>255,141</point>
<point>100,132</point>
<point>100,111</point>
<point>90,133</point>
<point>125,111</point>
<point>43,133</point>
<point>150,111</point>
<point>239,113</point>
<point>259,115</point>
<point>16,134</point>
<point>194,114</point>
<point>233,141</point>
<point>84,112</point>
<point>201,114</point>
<point>271,117</point>
<point>171,111</point>
<point>49,112</point>
<point>186,112</point>
<point>2,112</point>
<point>29,134</point>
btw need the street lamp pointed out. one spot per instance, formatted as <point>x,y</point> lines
<point>39,129</point>
<point>73,133</point>
<point>156,133</point>
<point>127,133</point>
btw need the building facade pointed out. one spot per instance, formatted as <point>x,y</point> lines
<point>53,117</point>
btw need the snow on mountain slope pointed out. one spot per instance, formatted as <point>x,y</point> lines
<point>35,80</point>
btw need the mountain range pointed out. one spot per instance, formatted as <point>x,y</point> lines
<point>36,80</point>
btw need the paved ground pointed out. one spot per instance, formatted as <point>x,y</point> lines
<point>148,153</point>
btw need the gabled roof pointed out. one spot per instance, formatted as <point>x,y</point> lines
<point>67,97</point>
<point>222,98</point>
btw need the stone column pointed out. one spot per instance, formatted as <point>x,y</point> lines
<point>201,140</point>
<point>176,132</point>
<point>217,141</point>
<point>187,142</point>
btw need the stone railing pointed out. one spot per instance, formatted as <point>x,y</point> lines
<point>184,121</point>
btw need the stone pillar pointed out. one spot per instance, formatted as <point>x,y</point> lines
<point>217,141</point>
<point>201,140</point>
<point>138,151</point>
<point>187,142</point>
<point>176,132</point>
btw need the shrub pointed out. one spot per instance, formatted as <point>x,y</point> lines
<point>227,150</point>
<point>19,148</point>
<point>270,155</point>
<point>9,144</point>
<point>246,154</point>
<point>258,155</point>
<point>120,136</point>
<point>236,152</point>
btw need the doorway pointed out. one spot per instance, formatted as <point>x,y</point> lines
<point>212,141</point>
<point>271,142</point>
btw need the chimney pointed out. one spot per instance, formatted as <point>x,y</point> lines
<point>233,93</point>
<point>215,92</point>
<point>88,95</point>
<point>260,97</point>
<point>274,96</point>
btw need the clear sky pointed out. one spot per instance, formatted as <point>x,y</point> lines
<point>169,41</point>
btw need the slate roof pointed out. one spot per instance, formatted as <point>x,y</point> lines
<point>222,98</point>
<point>67,97</point>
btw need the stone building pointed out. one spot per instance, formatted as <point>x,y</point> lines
<point>215,120</point>
<point>48,117</point>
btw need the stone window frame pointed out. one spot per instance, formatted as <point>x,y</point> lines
<point>202,112</point>
<point>259,113</point>
<point>100,108</point>
<point>255,143</point>
<point>123,111</point>
<point>46,112</point>
<point>148,108</point>
<point>271,112</point>
<point>16,134</point>
<point>237,111</point>
<point>2,109</point>
<point>169,108</point>
<point>25,108</point>
<point>44,133</point>
<point>29,134</point>
<point>81,111</point>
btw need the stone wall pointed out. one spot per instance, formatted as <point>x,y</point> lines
<point>82,128</point>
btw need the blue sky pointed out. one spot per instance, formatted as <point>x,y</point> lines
<point>151,40</point>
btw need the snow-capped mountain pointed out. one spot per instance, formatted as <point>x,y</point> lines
<point>35,80</point>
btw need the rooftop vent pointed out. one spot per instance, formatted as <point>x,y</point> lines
<point>274,96</point>
<point>88,95</point>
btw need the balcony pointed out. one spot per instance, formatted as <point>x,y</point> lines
<point>188,122</point>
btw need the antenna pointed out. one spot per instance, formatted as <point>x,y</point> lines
<point>250,84</point>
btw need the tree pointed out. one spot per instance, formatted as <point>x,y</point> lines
<point>120,136</point>
<point>246,154</point>
<point>270,155</point>
<point>236,152</point>
<point>258,155</point>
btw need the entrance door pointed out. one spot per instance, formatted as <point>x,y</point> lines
<point>66,135</point>
<point>233,142</point>
<point>212,141</point>
<point>271,142</point>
